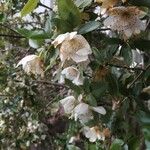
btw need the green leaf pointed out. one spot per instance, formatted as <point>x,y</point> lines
<point>82,4</point>
<point>1,17</point>
<point>112,40</point>
<point>36,34</point>
<point>62,25</point>
<point>29,7</point>
<point>126,53</point>
<point>74,87</point>
<point>88,27</point>
<point>98,88</point>
<point>141,44</point>
<point>112,84</point>
<point>117,144</point>
<point>86,85</point>
<point>69,12</point>
<point>91,100</point>
<point>97,54</point>
<point>140,2</point>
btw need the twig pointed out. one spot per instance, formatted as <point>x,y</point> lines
<point>132,83</point>
<point>49,103</point>
<point>125,67</point>
<point>40,4</point>
<point>141,73</point>
<point>51,83</point>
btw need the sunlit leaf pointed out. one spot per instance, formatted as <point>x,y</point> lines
<point>69,12</point>
<point>29,7</point>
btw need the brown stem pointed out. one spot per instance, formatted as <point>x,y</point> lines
<point>48,82</point>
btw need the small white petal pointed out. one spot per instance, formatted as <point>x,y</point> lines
<point>83,113</point>
<point>26,59</point>
<point>72,35</point>
<point>84,51</point>
<point>59,39</point>
<point>63,37</point>
<point>99,109</point>
<point>68,104</point>
<point>78,81</point>
<point>89,134</point>
<point>79,58</point>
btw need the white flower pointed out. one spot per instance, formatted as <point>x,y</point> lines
<point>32,64</point>
<point>93,133</point>
<point>125,20</point>
<point>68,104</point>
<point>72,74</point>
<point>83,112</point>
<point>72,46</point>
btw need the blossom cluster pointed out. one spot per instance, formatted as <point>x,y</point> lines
<point>74,56</point>
<point>125,20</point>
<point>75,48</point>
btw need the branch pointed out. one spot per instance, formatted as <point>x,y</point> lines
<point>48,82</point>
<point>139,76</point>
<point>125,67</point>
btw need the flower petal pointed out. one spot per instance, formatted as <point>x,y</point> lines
<point>84,51</point>
<point>79,58</point>
<point>89,134</point>
<point>63,37</point>
<point>68,103</point>
<point>99,109</point>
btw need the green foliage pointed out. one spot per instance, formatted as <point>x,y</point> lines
<point>145,3</point>
<point>82,4</point>
<point>35,34</point>
<point>31,113</point>
<point>117,144</point>
<point>29,7</point>
<point>68,13</point>
<point>88,27</point>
